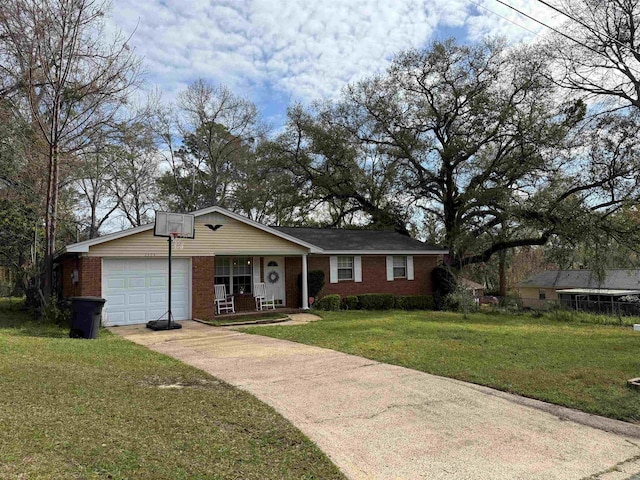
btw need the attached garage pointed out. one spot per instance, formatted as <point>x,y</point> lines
<point>129,268</point>
<point>136,289</point>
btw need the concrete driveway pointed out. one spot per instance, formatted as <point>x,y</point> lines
<point>378,421</point>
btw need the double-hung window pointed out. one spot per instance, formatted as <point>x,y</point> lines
<point>345,268</point>
<point>234,272</point>
<point>399,267</point>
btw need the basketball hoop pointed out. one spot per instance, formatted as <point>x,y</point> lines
<point>176,227</point>
<point>177,241</point>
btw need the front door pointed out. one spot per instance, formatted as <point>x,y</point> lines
<point>274,278</point>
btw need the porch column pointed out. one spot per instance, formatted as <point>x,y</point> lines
<point>305,288</point>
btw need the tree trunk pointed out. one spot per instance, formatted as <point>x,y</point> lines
<point>502,257</point>
<point>51,221</point>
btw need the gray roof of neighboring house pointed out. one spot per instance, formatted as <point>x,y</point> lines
<point>614,279</point>
<point>335,239</point>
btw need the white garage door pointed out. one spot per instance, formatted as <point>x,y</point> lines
<point>136,289</point>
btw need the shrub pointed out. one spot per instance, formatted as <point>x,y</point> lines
<point>56,312</point>
<point>414,302</point>
<point>350,302</point>
<point>444,284</point>
<point>400,303</point>
<point>6,290</point>
<point>328,302</point>
<point>375,301</point>
<point>460,300</point>
<point>315,282</point>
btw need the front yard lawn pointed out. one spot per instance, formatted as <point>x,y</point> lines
<point>569,363</point>
<point>107,408</point>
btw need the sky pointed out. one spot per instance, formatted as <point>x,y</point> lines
<point>279,52</point>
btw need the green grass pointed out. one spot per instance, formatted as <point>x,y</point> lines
<point>565,359</point>
<point>89,409</point>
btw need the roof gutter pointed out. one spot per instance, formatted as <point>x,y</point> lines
<point>384,252</point>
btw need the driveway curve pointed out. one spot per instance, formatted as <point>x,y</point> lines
<point>378,421</point>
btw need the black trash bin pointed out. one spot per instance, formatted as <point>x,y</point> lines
<point>86,316</point>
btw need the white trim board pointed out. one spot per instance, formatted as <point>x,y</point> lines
<point>397,253</point>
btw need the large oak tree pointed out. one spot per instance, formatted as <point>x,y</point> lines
<point>481,141</point>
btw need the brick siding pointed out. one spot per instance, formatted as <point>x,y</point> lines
<point>202,280</point>
<point>292,268</point>
<point>67,287</point>
<point>374,277</point>
<point>374,280</point>
<point>90,276</point>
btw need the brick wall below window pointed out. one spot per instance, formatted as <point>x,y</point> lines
<point>374,277</point>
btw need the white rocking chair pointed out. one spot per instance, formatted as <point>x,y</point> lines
<point>224,303</point>
<point>263,299</point>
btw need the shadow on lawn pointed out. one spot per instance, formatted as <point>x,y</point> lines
<point>14,316</point>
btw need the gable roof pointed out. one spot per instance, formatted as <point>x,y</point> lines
<point>564,279</point>
<point>337,240</point>
<point>84,246</point>
<point>317,240</point>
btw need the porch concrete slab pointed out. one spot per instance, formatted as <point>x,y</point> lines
<point>378,421</point>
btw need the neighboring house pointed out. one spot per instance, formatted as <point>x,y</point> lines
<point>573,287</point>
<point>129,268</point>
<point>474,288</point>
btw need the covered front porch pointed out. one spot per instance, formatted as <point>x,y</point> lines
<point>283,277</point>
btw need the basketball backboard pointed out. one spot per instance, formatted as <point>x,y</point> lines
<point>168,223</point>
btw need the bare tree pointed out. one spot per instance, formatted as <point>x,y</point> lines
<point>95,177</point>
<point>135,174</point>
<point>61,72</point>
<point>603,57</point>
<point>206,137</point>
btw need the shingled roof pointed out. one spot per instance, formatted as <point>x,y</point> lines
<point>558,279</point>
<point>338,240</point>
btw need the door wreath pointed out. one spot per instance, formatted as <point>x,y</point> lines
<point>273,276</point>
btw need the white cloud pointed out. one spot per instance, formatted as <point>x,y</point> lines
<point>298,49</point>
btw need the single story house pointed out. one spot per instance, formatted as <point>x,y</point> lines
<point>474,288</point>
<point>129,268</point>
<point>579,289</point>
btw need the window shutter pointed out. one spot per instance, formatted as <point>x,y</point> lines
<point>389,268</point>
<point>357,268</point>
<point>256,269</point>
<point>333,269</point>
<point>410,268</point>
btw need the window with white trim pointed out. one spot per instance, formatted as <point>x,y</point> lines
<point>399,267</point>
<point>345,268</point>
<point>234,272</point>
